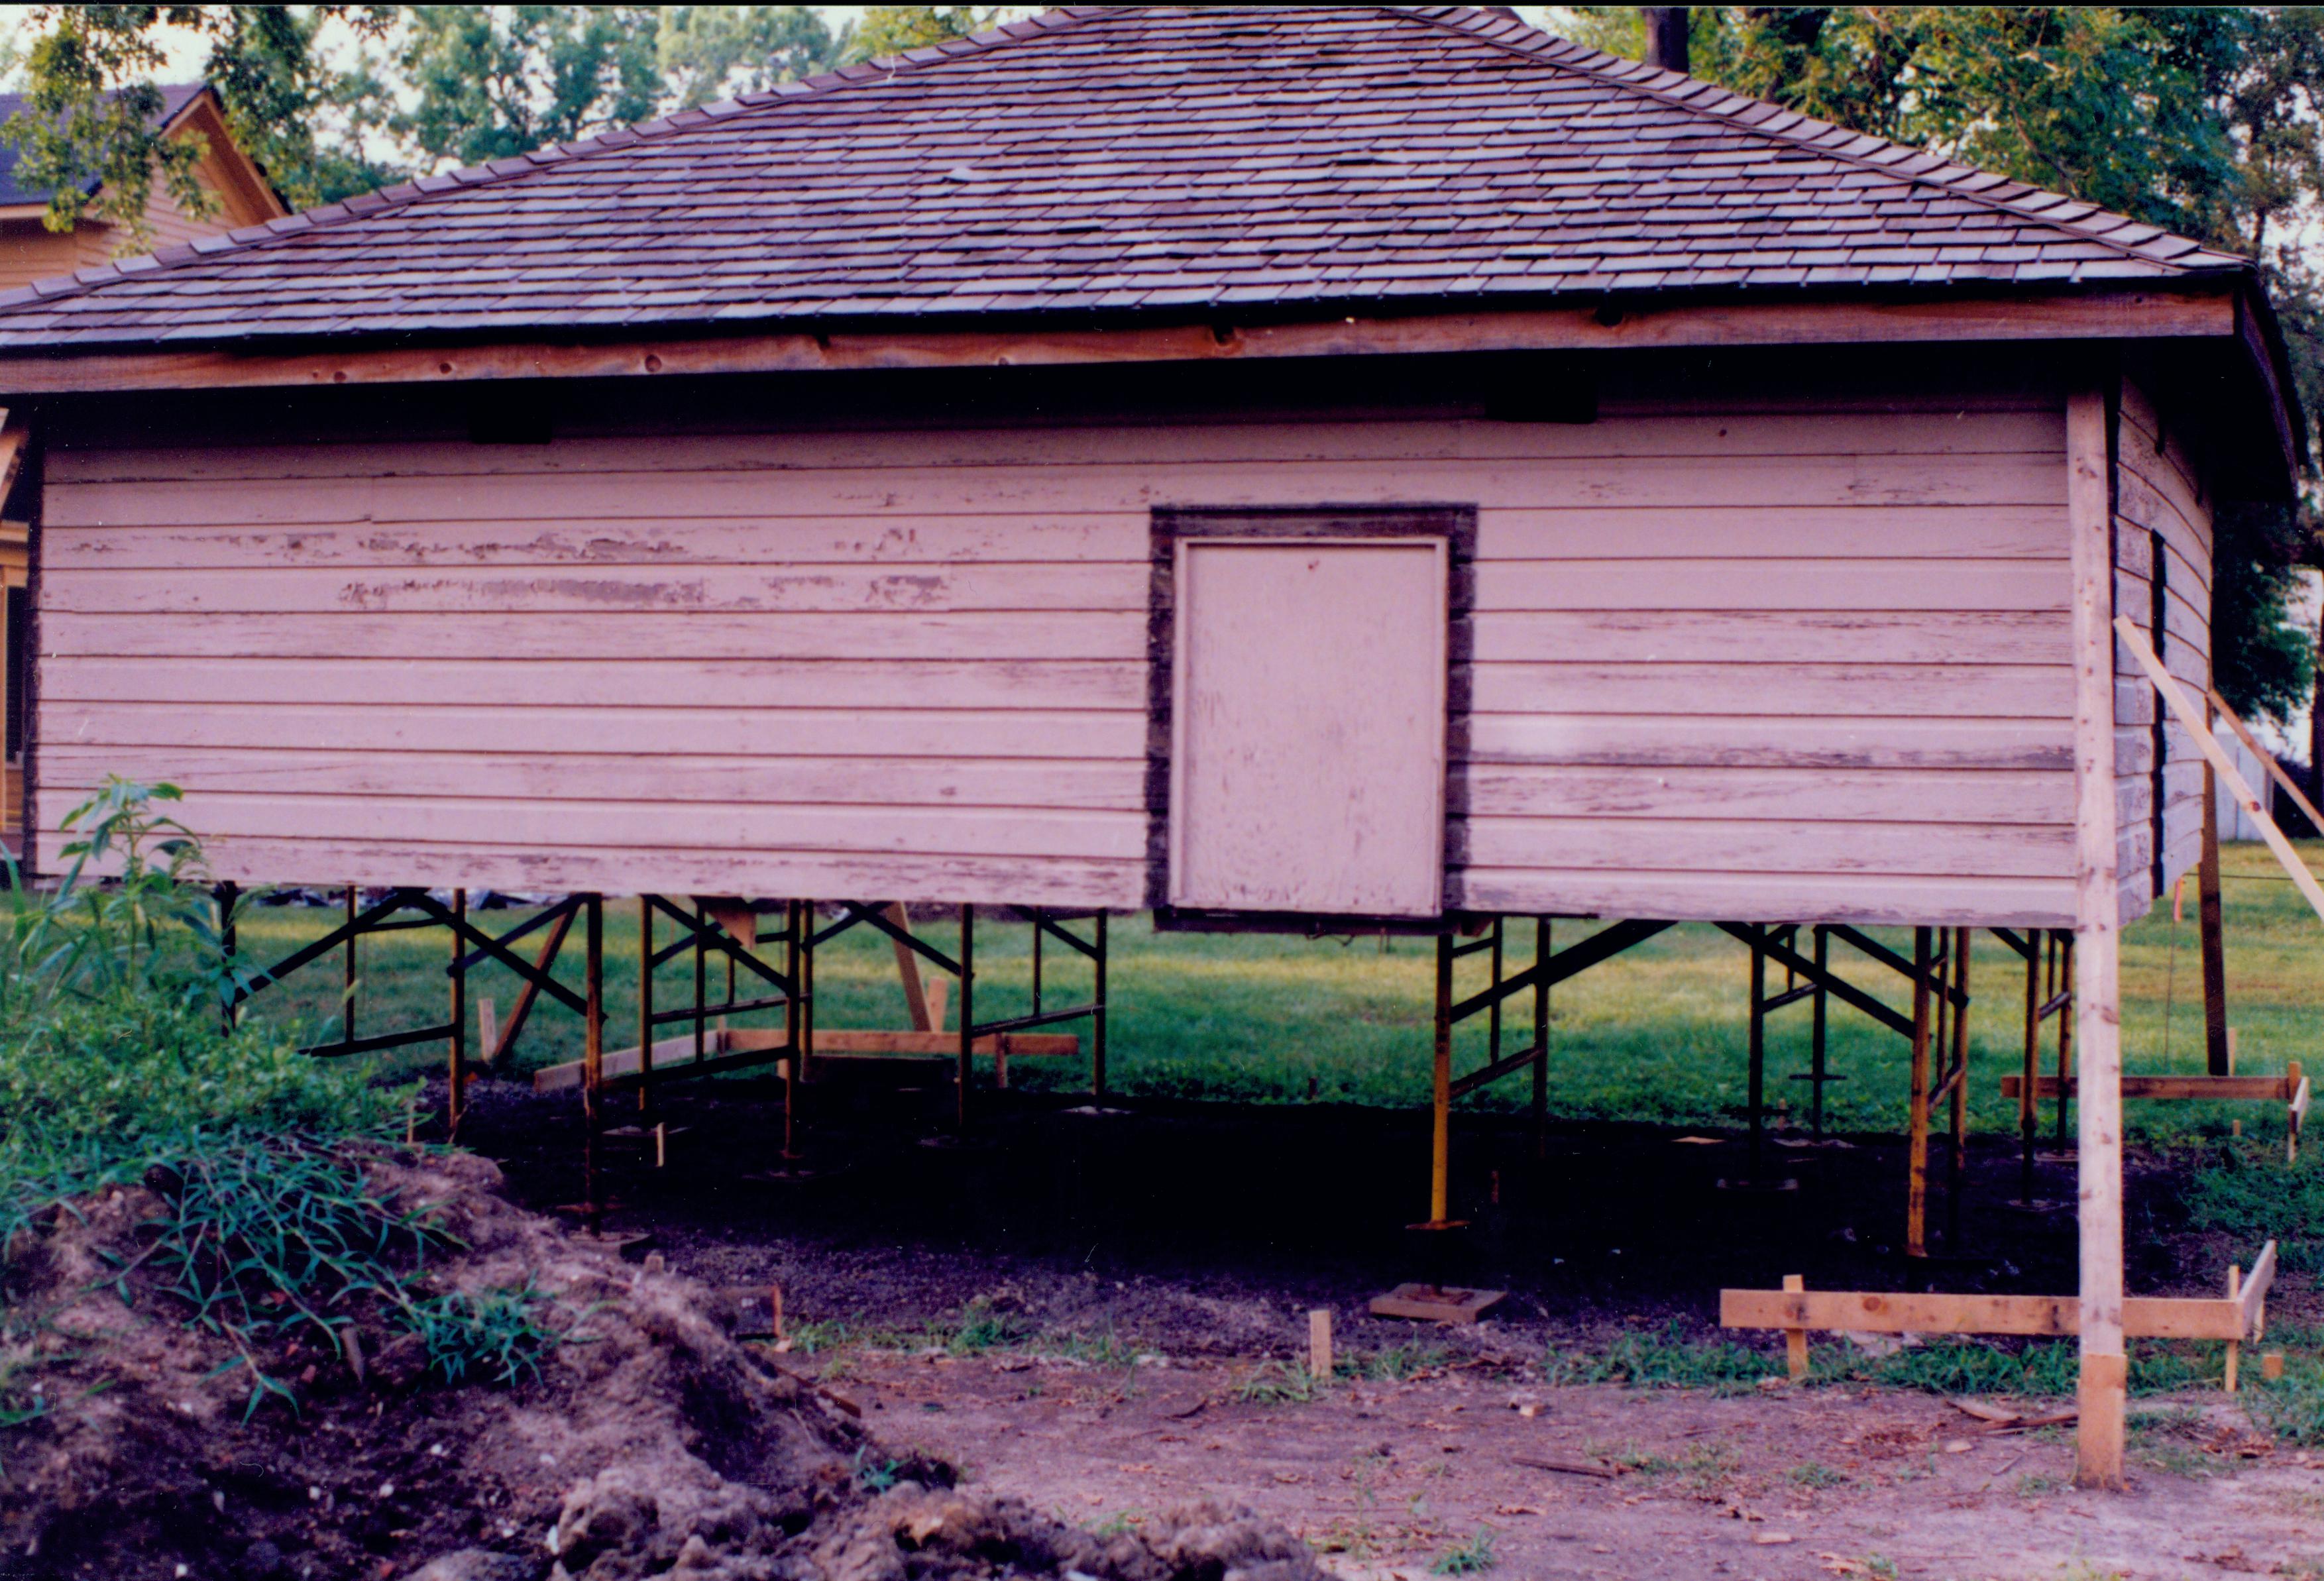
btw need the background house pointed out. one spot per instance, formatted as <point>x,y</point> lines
<point>30,251</point>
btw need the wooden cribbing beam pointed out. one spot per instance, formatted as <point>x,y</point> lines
<point>673,1056</point>
<point>2226,1088</point>
<point>1797,1311</point>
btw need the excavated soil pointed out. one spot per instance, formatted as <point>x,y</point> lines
<point>654,1443</point>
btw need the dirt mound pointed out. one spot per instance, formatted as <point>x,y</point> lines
<point>652,1444</point>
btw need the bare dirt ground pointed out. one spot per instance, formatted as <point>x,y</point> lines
<point>1139,1277</point>
<point>1386,1479</point>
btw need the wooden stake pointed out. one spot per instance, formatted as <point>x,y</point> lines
<point>2270,1365</point>
<point>2296,1109</point>
<point>1795,1340</point>
<point>1319,1343</point>
<point>2235,1346</point>
<point>488,1023</point>
<point>774,1311</point>
<point>2098,922</point>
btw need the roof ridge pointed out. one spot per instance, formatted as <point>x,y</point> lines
<point>1507,31</point>
<point>514,166</point>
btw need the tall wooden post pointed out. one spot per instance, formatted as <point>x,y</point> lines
<point>702,984</point>
<point>1541,952</point>
<point>1097,1019</point>
<point>229,1007</point>
<point>645,1002</point>
<point>593,1055</point>
<point>2028,1114</point>
<point>348,971</point>
<point>1818,1018</point>
<point>1439,1135</point>
<point>967,1075</point>
<point>455,1101</point>
<point>796,918</point>
<point>1755,1076</point>
<point>1916,1135</point>
<point>2097,925</point>
<point>1957,1073</point>
<point>2216,1058</point>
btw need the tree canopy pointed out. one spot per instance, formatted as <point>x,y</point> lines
<point>2198,119</point>
<point>332,100</point>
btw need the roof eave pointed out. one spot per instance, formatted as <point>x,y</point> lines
<point>2181,308</point>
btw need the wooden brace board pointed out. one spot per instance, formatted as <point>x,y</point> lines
<point>2190,718</point>
<point>2224,1089</point>
<point>673,1056</point>
<point>2053,1316</point>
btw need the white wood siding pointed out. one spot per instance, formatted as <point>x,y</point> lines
<point>1760,662</point>
<point>2156,493</point>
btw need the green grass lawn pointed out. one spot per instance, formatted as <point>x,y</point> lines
<point>1655,1035</point>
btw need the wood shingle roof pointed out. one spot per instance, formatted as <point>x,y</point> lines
<point>1126,161</point>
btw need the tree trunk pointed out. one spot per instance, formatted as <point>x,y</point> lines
<point>1665,36</point>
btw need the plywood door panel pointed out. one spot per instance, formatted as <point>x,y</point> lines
<point>1309,717</point>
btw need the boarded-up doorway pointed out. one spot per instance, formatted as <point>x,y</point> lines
<point>1308,724</point>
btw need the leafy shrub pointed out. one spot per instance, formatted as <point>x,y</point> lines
<point>114,1048</point>
<point>117,1064</point>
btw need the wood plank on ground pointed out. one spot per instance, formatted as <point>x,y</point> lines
<point>673,1056</point>
<point>2226,1088</point>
